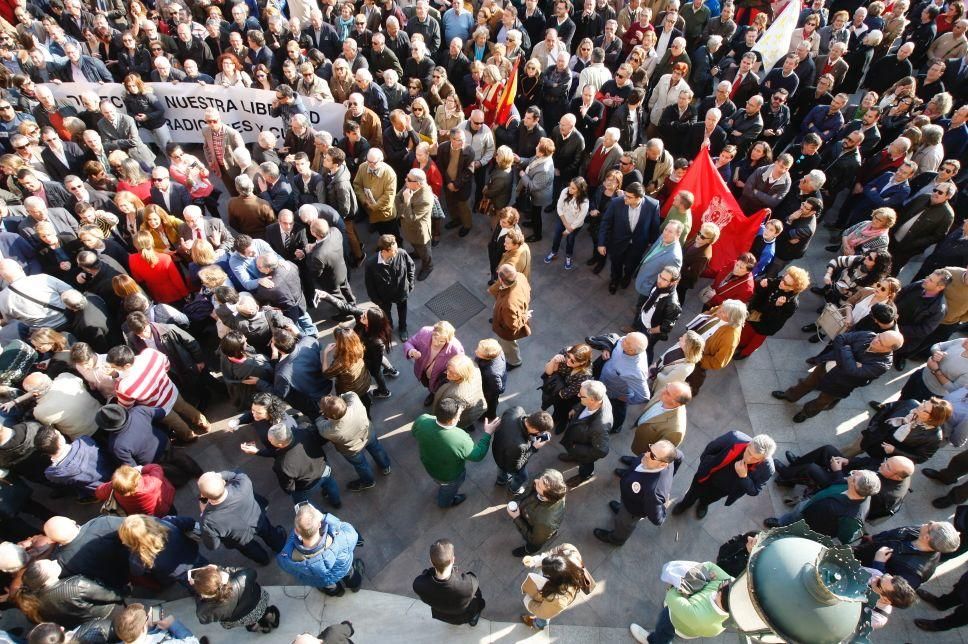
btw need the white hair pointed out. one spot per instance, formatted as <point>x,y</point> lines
<point>764,445</point>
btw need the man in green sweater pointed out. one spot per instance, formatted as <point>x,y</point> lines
<point>700,614</point>
<point>445,448</point>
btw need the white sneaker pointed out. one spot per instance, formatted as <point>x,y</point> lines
<point>639,633</point>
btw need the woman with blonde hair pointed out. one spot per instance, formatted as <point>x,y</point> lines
<point>132,210</point>
<point>529,85</point>
<point>677,362</point>
<point>163,229</point>
<point>342,83</point>
<point>431,349</point>
<point>489,95</point>
<point>53,348</point>
<point>422,123</point>
<point>143,490</point>
<point>342,360</point>
<point>498,59</point>
<point>774,302</point>
<point>464,385</point>
<point>160,548</point>
<point>203,254</point>
<point>156,272</point>
<point>147,110</point>
<point>867,236</point>
<point>695,258</point>
<point>132,178</point>
<point>720,330</point>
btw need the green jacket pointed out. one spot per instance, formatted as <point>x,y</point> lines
<point>539,520</point>
<point>697,615</point>
<point>443,451</point>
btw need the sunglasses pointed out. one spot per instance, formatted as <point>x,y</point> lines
<point>157,179</point>
<point>936,191</point>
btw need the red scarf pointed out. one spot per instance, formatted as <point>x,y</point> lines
<point>736,451</point>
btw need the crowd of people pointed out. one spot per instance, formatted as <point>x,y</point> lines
<point>145,279</point>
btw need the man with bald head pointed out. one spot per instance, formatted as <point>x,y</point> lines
<point>826,465</point>
<point>93,549</point>
<point>62,402</point>
<point>569,150</point>
<point>664,418</point>
<point>645,489</point>
<point>232,516</point>
<point>851,361</point>
<point>34,300</point>
<point>625,375</point>
<point>512,315</point>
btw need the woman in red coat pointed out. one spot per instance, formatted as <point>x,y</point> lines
<point>734,283</point>
<point>156,271</point>
<point>145,492</point>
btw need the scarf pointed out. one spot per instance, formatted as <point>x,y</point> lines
<point>735,452</point>
<point>904,426</point>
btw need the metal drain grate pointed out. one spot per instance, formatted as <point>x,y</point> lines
<point>455,304</point>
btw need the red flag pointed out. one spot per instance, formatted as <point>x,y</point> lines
<point>714,202</point>
<point>503,111</point>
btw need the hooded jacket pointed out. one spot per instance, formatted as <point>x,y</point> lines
<point>321,565</point>
<point>84,466</point>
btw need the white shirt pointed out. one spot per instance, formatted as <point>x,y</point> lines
<point>663,43</point>
<point>634,215</point>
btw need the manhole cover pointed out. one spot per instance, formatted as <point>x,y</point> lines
<point>455,304</point>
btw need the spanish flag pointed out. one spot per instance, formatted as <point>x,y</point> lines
<point>503,111</point>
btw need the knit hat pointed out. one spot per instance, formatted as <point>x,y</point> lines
<point>111,418</point>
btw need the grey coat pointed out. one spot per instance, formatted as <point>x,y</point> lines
<point>124,136</point>
<point>539,178</point>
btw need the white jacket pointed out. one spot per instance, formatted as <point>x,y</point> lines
<point>572,214</point>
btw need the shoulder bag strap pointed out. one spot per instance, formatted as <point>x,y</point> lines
<point>47,305</point>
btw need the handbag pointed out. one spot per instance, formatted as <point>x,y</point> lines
<point>524,203</point>
<point>486,206</point>
<point>551,387</point>
<point>437,211</point>
<point>588,582</point>
<point>112,507</point>
<point>833,320</point>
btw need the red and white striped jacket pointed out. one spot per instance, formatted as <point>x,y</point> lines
<point>147,382</point>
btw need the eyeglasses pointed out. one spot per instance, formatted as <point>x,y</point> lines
<point>937,191</point>
<point>211,120</point>
<point>157,179</point>
<point>6,107</point>
<point>477,123</point>
<point>625,163</point>
<point>361,24</point>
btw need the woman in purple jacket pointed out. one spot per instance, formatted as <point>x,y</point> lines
<point>431,348</point>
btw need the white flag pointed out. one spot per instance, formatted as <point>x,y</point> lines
<point>775,43</point>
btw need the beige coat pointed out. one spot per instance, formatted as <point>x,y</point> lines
<point>548,607</point>
<point>520,259</point>
<point>383,186</point>
<point>231,140</point>
<point>469,393</point>
<point>661,172</point>
<point>669,425</point>
<point>350,433</point>
<point>415,215</point>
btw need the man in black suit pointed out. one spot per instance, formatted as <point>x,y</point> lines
<point>692,136</point>
<point>171,196</point>
<point>326,269</point>
<point>60,157</point>
<point>585,438</point>
<point>354,146</point>
<point>747,84</point>
<point>51,193</point>
<point>956,78</point>
<point>629,226</point>
<point>212,230</point>
<point>454,597</point>
<point>588,112</point>
<point>287,239</point>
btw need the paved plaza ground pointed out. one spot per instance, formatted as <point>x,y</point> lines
<point>400,519</point>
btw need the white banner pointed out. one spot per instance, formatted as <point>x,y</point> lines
<point>775,43</point>
<point>245,110</point>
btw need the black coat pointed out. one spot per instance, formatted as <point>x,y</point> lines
<point>74,155</point>
<point>772,317</point>
<point>94,324</point>
<point>96,552</point>
<point>325,265</point>
<point>178,199</point>
<point>511,445</point>
<point>915,566</point>
<point>455,600</point>
<point>390,282</point>
<point>919,445</point>
<point>297,241</point>
<point>666,310</point>
<point>75,600</point>
<point>732,486</point>
<point>300,465</point>
<point>586,439</point>
<point>856,366</point>
<point>182,350</point>
<point>917,316</point>
<point>241,598</point>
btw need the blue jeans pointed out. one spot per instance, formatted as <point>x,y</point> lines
<point>569,240</point>
<point>664,632</point>
<point>362,466</point>
<point>513,480</point>
<point>328,485</point>
<point>449,489</point>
